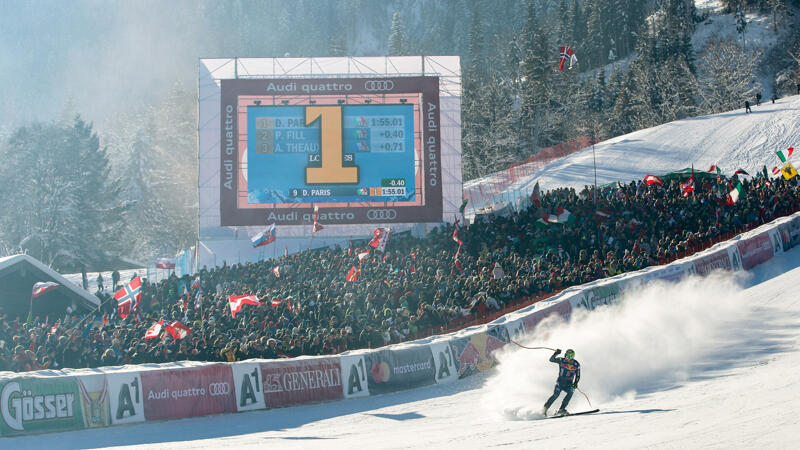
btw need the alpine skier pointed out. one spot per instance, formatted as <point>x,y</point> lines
<point>569,373</point>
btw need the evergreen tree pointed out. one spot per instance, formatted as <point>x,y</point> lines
<point>397,37</point>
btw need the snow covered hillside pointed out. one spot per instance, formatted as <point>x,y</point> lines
<point>707,363</point>
<point>731,140</point>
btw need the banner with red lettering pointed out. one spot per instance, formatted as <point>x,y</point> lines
<point>188,392</point>
<point>717,260</point>
<point>756,250</point>
<point>300,381</point>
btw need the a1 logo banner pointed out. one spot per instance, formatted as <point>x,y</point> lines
<point>126,397</point>
<point>445,361</point>
<point>354,376</point>
<point>776,237</point>
<point>249,386</point>
<point>735,258</point>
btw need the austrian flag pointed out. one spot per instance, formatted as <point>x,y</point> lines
<point>128,297</point>
<point>43,287</point>
<point>652,179</point>
<point>237,301</point>
<point>177,330</point>
<point>154,330</point>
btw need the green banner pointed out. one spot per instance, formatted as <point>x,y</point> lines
<point>37,405</point>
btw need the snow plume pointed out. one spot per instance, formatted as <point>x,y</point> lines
<point>656,337</point>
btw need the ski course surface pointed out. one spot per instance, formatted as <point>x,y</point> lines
<point>705,363</point>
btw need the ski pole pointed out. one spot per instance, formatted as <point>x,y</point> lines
<point>587,397</point>
<point>531,348</point>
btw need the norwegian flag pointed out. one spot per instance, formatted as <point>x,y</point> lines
<point>353,273</point>
<point>277,271</point>
<point>379,238</point>
<point>154,330</point>
<point>265,237</point>
<point>43,287</point>
<point>128,297</point>
<point>362,255</point>
<point>237,301</point>
<point>196,283</point>
<point>165,263</point>
<point>177,330</point>
<point>566,54</point>
<point>317,226</point>
<point>652,179</point>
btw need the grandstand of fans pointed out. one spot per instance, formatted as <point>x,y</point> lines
<point>418,286</point>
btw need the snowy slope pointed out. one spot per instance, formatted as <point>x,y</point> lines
<point>706,363</point>
<point>732,140</point>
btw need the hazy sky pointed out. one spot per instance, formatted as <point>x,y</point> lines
<point>104,55</point>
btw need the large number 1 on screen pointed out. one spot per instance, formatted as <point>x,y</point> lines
<point>332,170</point>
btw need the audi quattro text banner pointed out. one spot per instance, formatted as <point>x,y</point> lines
<point>38,405</point>
<point>756,250</point>
<point>300,381</point>
<point>395,369</point>
<point>188,392</point>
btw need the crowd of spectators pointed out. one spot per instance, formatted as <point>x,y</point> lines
<point>310,309</point>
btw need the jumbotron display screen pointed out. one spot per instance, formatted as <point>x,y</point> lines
<point>362,150</point>
<point>331,154</point>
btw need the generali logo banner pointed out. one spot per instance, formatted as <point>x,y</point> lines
<point>301,381</point>
<point>188,392</point>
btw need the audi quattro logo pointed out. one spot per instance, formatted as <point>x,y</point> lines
<point>219,389</point>
<point>381,214</point>
<point>379,85</point>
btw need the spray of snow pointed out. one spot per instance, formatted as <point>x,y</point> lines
<point>655,338</point>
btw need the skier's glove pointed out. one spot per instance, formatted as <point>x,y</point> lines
<point>575,385</point>
<point>558,351</point>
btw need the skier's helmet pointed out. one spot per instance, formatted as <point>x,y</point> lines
<point>569,354</point>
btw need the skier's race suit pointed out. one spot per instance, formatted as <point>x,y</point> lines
<point>569,373</point>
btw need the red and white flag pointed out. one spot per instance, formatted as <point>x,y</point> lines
<point>43,287</point>
<point>165,263</point>
<point>688,187</point>
<point>128,297</point>
<point>363,255</point>
<point>237,301</point>
<point>566,54</point>
<point>277,271</point>
<point>652,179</point>
<point>276,302</point>
<point>154,330</point>
<point>317,226</point>
<point>54,329</point>
<point>379,238</point>
<point>353,273</point>
<point>177,330</point>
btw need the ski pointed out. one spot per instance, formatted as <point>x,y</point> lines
<point>574,414</point>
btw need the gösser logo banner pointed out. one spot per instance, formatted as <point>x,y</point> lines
<point>398,369</point>
<point>354,376</point>
<point>36,405</point>
<point>249,386</point>
<point>301,381</point>
<point>188,392</point>
<point>126,397</point>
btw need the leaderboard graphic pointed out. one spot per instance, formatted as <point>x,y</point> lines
<point>363,150</point>
<point>331,154</point>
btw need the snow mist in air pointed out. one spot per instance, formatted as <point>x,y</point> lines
<point>655,338</point>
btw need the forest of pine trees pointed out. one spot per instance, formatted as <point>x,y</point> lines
<point>131,188</point>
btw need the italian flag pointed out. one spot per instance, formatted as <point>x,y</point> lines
<point>785,154</point>
<point>734,195</point>
<point>561,216</point>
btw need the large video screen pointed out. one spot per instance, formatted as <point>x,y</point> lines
<point>330,154</point>
<point>362,150</point>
